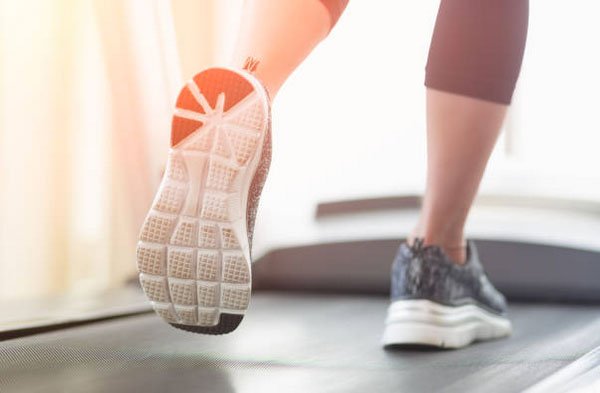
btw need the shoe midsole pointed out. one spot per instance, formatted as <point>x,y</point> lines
<point>428,312</point>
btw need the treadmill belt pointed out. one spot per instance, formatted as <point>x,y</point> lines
<point>294,342</point>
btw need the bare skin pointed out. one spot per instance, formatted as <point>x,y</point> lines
<point>461,133</point>
<point>276,36</point>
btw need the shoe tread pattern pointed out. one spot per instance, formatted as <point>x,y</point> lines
<point>190,255</point>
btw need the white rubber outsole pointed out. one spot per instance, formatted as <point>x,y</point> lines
<point>193,255</point>
<point>423,322</point>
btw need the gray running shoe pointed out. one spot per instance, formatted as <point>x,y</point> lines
<point>437,302</point>
<point>194,252</point>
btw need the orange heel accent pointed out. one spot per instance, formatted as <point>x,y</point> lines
<point>213,82</point>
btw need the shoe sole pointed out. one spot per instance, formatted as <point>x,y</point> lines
<point>423,322</point>
<point>193,254</point>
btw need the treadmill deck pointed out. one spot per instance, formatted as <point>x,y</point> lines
<point>294,342</point>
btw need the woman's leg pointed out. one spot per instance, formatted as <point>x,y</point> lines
<point>276,36</point>
<point>474,62</point>
<point>218,163</point>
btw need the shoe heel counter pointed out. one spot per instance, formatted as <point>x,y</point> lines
<point>413,278</point>
<point>405,277</point>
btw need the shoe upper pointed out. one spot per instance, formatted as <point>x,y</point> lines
<point>257,184</point>
<point>426,272</point>
<point>260,177</point>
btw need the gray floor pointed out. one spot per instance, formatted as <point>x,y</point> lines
<point>62,309</point>
<point>294,343</point>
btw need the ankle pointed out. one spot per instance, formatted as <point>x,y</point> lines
<point>455,247</point>
<point>456,253</point>
<point>270,80</point>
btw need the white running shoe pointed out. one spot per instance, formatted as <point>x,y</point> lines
<point>194,252</point>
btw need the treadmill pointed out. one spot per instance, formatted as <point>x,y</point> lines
<point>314,325</point>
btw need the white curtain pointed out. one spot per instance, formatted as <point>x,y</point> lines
<point>86,92</point>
